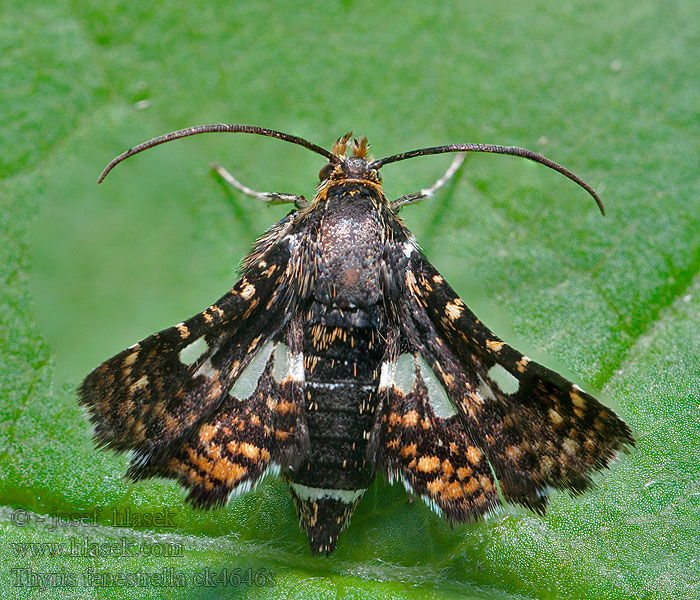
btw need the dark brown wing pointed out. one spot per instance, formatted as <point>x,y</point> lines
<point>536,428</point>
<point>156,394</point>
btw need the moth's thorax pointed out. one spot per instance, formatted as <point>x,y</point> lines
<point>350,245</point>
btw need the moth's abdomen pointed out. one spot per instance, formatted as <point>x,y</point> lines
<point>341,367</point>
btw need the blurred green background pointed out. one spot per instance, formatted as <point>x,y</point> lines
<point>609,89</point>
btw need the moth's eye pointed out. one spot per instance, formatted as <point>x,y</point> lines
<point>325,172</point>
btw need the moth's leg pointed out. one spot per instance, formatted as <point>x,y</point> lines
<point>429,192</point>
<point>271,197</point>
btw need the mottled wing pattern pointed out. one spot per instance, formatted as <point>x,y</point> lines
<point>432,454</point>
<point>536,428</point>
<point>251,432</point>
<point>154,395</point>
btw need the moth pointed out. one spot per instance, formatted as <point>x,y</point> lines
<point>341,353</point>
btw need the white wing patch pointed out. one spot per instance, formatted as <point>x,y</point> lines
<point>386,378</point>
<point>296,366</point>
<point>501,379</point>
<point>248,380</point>
<point>504,380</point>
<point>190,353</point>
<point>404,378</point>
<point>280,362</point>
<point>287,364</point>
<point>442,407</point>
<point>484,389</point>
<point>207,369</point>
<point>405,373</point>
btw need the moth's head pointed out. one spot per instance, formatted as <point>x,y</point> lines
<point>356,166</point>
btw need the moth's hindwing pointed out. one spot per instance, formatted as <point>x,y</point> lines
<point>258,427</point>
<point>155,395</point>
<point>417,440</point>
<point>536,428</point>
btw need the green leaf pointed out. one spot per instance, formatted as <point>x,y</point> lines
<point>607,90</point>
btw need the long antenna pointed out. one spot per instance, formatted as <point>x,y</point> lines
<point>219,128</point>
<point>512,150</point>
